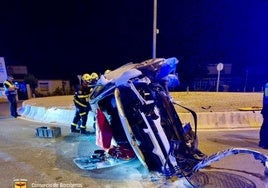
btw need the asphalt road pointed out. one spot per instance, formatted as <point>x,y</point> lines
<point>49,162</point>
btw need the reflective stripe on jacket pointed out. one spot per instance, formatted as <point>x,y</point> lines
<point>7,86</point>
<point>81,96</point>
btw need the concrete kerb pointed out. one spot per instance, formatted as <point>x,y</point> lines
<point>52,115</point>
<point>221,120</point>
<point>206,120</point>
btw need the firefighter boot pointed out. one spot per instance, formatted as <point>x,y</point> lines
<point>73,129</point>
<point>83,131</point>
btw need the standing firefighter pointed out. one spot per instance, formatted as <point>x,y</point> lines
<point>264,128</point>
<point>11,93</point>
<point>81,102</point>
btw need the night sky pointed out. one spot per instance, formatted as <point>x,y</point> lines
<point>59,39</point>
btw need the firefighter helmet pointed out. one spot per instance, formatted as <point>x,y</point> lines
<point>86,77</point>
<point>94,76</point>
<point>107,71</point>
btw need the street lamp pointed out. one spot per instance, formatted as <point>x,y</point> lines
<point>154,29</point>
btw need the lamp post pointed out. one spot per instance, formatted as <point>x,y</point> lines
<point>246,80</point>
<point>154,29</point>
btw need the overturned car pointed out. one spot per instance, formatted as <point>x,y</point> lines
<point>136,115</point>
<point>141,116</point>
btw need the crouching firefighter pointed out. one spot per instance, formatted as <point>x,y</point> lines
<point>81,102</point>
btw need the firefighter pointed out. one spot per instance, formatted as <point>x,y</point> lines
<point>94,78</point>
<point>107,71</point>
<point>11,93</point>
<point>81,102</point>
<point>264,128</point>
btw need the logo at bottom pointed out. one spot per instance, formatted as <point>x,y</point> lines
<point>20,183</point>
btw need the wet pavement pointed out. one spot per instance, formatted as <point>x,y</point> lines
<point>49,162</point>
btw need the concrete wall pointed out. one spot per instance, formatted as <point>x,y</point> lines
<point>206,120</point>
<point>3,97</point>
<point>2,92</point>
<point>235,119</point>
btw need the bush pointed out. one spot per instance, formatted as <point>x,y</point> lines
<point>58,91</point>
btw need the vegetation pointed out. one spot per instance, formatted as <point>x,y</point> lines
<point>32,81</point>
<point>217,101</point>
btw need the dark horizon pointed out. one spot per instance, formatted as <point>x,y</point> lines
<point>63,39</point>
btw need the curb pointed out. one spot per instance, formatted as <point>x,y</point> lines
<point>51,115</point>
<point>205,120</point>
<point>221,120</point>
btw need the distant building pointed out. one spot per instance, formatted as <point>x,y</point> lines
<point>18,71</point>
<point>45,87</point>
<point>48,87</point>
<point>209,83</point>
<point>247,79</point>
<point>212,69</point>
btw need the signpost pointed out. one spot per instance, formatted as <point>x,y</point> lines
<point>3,70</point>
<point>219,69</point>
<point>3,75</point>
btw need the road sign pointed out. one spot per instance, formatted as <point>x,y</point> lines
<point>3,71</point>
<point>219,67</point>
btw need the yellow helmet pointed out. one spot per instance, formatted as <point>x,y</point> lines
<point>94,76</point>
<point>86,77</point>
<point>107,71</point>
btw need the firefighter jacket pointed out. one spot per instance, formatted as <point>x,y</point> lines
<point>10,88</point>
<point>81,96</point>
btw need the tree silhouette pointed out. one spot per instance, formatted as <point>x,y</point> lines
<point>32,81</point>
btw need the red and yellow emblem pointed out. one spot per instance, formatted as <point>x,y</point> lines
<point>20,183</point>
